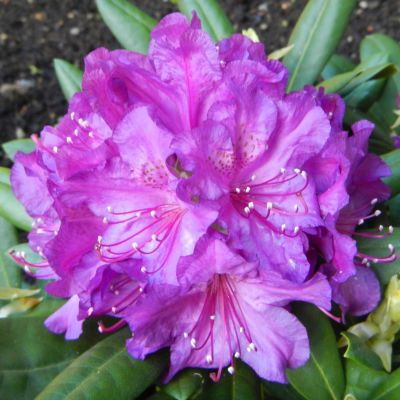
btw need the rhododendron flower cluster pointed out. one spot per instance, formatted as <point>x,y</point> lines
<point>188,195</point>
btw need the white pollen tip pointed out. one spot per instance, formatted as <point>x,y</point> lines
<point>154,237</point>
<point>72,115</point>
<point>391,229</point>
<point>135,245</point>
<point>69,140</point>
<point>368,264</point>
<point>375,261</point>
<point>90,311</point>
<point>247,190</point>
<point>153,213</point>
<point>26,268</point>
<point>246,210</point>
<point>296,229</point>
<point>283,170</point>
<point>109,208</point>
<point>91,135</point>
<point>390,247</point>
<point>304,174</point>
<point>185,335</point>
<point>237,355</point>
<point>143,270</point>
<point>237,190</point>
<point>252,346</point>
<point>253,178</point>
<point>105,220</point>
<point>364,261</point>
<point>251,204</point>
<point>55,149</point>
<point>212,317</point>
<point>231,370</point>
<point>76,132</point>
<point>269,205</point>
<point>292,262</point>
<point>360,221</point>
<point>193,342</point>
<point>377,213</point>
<point>116,292</point>
<point>100,329</point>
<point>381,228</point>
<point>374,201</point>
<point>141,290</point>
<point>138,214</point>
<point>296,171</point>
<point>209,358</point>
<point>283,227</point>
<point>241,329</point>
<point>114,309</point>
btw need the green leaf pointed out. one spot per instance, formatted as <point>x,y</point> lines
<point>322,377</point>
<point>103,371</point>
<point>315,37</point>
<point>5,175</point>
<point>31,356</point>
<point>364,95</point>
<point>69,77</point>
<point>358,351</point>
<point>186,385</point>
<point>337,64</point>
<point>10,274</point>
<point>12,210</point>
<point>212,16</point>
<point>8,293</point>
<point>281,391</point>
<point>394,210</point>
<point>393,160</point>
<point>379,248</point>
<point>361,380</point>
<point>13,146</point>
<point>130,26</point>
<point>389,389</point>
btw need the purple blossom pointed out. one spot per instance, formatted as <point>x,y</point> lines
<point>188,195</point>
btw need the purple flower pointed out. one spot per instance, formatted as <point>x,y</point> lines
<point>226,307</point>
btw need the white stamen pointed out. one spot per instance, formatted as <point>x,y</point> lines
<point>231,370</point>
<point>138,214</point>
<point>296,230</point>
<point>193,342</point>
<point>100,329</point>
<point>364,261</point>
<point>39,231</point>
<point>283,170</point>
<point>141,290</point>
<point>154,237</point>
<point>296,208</point>
<point>251,204</point>
<point>330,114</point>
<point>247,210</point>
<point>390,247</point>
<point>90,311</point>
<point>212,317</point>
<point>222,62</point>
<point>283,227</point>
<point>209,358</point>
<point>185,335</point>
<point>153,213</point>
<point>26,268</point>
<point>76,132</point>
<point>237,354</point>
<point>304,174</point>
<point>368,264</point>
<point>247,190</point>
<point>297,171</point>
<point>381,228</point>
<point>253,178</point>
<point>91,135</point>
<point>237,190</point>
<point>391,229</point>
<point>105,220</point>
<point>377,213</point>
<point>69,140</point>
<point>241,329</point>
<point>135,245</point>
<point>72,115</point>
<point>375,260</point>
<point>143,269</point>
<point>360,221</point>
<point>109,208</point>
<point>374,201</point>
<point>269,205</point>
<point>252,346</point>
<point>55,149</point>
<point>114,309</point>
<point>99,239</point>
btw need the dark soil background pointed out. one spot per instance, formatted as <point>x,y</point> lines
<point>33,32</point>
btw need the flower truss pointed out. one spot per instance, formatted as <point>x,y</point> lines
<point>188,195</point>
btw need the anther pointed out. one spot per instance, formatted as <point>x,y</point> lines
<point>105,220</point>
<point>269,205</point>
<point>377,213</point>
<point>76,132</point>
<point>212,317</point>
<point>381,227</point>
<point>283,228</point>
<point>55,149</point>
<point>90,311</point>
<point>154,237</point>
<point>153,213</point>
<point>251,204</point>
<point>241,329</point>
<point>209,358</point>
<point>237,190</point>
<point>109,208</point>
<point>143,269</point>
<point>296,229</point>
<point>390,247</point>
<point>391,229</point>
<point>114,309</point>
<point>374,201</point>
<point>247,190</point>
<point>237,355</point>
<point>185,335</point>
<point>297,171</point>
<point>69,140</point>
<point>116,292</point>
<point>253,178</point>
<point>303,174</point>
<point>283,170</point>
<point>360,221</point>
<point>247,210</point>
<point>91,135</point>
<point>193,342</point>
<point>135,245</point>
<point>99,239</point>
<point>252,346</point>
<point>231,370</point>
<point>72,115</point>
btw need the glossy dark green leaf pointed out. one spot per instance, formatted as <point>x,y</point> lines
<point>12,210</point>
<point>10,274</point>
<point>393,160</point>
<point>31,356</point>
<point>389,389</point>
<point>322,377</point>
<point>362,380</point>
<point>69,77</point>
<point>130,26</point>
<point>358,351</point>
<point>364,95</point>
<point>105,370</point>
<point>187,384</point>
<point>394,210</point>
<point>379,248</point>
<point>4,175</point>
<point>281,391</point>
<point>212,16</point>
<point>315,37</point>
<point>13,146</point>
<point>337,64</point>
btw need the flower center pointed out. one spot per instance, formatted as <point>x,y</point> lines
<point>221,320</point>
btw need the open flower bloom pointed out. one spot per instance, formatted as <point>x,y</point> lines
<point>183,193</point>
<point>226,307</point>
